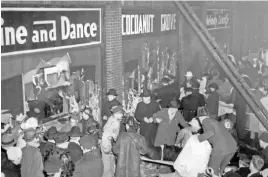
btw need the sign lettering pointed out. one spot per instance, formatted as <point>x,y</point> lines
<point>25,30</point>
<point>217,19</point>
<point>140,23</point>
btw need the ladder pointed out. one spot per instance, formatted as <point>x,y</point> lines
<point>223,61</point>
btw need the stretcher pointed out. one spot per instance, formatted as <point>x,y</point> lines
<point>170,163</point>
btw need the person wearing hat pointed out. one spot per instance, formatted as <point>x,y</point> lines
<point>263,140</point>
<point>32,161</point>
<point>212,101</point>
<point>194,157</point>
<point>168,120</point>
<point>49,136</point>
<point>62,140</point>
<point>75,134</point>
<point>223,144</point>
<point>88,122</point>
<point>110,132</point>
<point>91,163</point>
<point>75,151</point>
<point>167,92</point>
<point>111,102</point>
<point>189,79</point>
<point>128,148</point>
<point>144,113</point>
<point>8,141</point>
<point>190,103</point>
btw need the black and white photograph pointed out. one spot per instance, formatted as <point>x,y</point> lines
<point>134,88</point>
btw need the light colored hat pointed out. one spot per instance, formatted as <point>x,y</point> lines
<point>194,123</point>
<point>189,74</point>
<point>30,123</point>
<point>14,153</point>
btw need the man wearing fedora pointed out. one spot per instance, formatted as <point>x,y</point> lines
<point>90,164</point>
<point>212,101</point>
<point>111,102</point>
<point>62,141</point>
<point>110,132</point>
<point>49,136</point>
<point>189,79</point>
<point>32,161</point>
<point>144,113</point>
<point>75,135</point>
<point>128,148</point>
<point>167,92</point>
<point>8,141</point>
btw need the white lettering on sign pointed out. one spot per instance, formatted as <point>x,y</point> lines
<point>137,24</point>
<point>224,20</point>
<point>44,35</point>
<point>211,21</point>
<point>216,19</point>
<point>13,36</point>
<point>168,22</point>
<point>76,31</point>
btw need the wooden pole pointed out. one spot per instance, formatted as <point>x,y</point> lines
<point>222,60</point>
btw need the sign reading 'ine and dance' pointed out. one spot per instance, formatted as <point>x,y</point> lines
<point>27,30</point>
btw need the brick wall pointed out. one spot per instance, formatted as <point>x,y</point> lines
<point>113,46</point>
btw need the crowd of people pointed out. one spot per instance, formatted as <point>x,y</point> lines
<point>189,127</point>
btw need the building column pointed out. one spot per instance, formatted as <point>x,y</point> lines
<point>113,47</point>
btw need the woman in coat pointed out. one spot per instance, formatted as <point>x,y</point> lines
<point>168,119</point>
<point>144,113</point>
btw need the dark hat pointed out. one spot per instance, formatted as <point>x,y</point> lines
<point>75,132</point>
<point>146,93</point>
<point>247,80</point>
<point>52,165</point>
<point>165,80</point>
<point>195,85</point>
<point>8,140</point>
<point>88,141</point>
<point>61,138</point>
<point>29,134</point>
<point>214,85</point>
<point>115,109</point>
<point>51,133</point>
<point>264,137</point>
<point>232,174</point>
<point>188,89</point>
<point>75,151</point>
<point>112,92</point>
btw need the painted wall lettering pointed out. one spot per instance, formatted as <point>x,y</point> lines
<point>218,18</point>
<point>168,22</point>
<point>28,30</point>
<point>137,23</point>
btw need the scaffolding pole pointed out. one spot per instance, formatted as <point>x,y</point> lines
<point>224,63</point>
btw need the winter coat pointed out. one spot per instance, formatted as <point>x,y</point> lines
<point>128,148</point>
